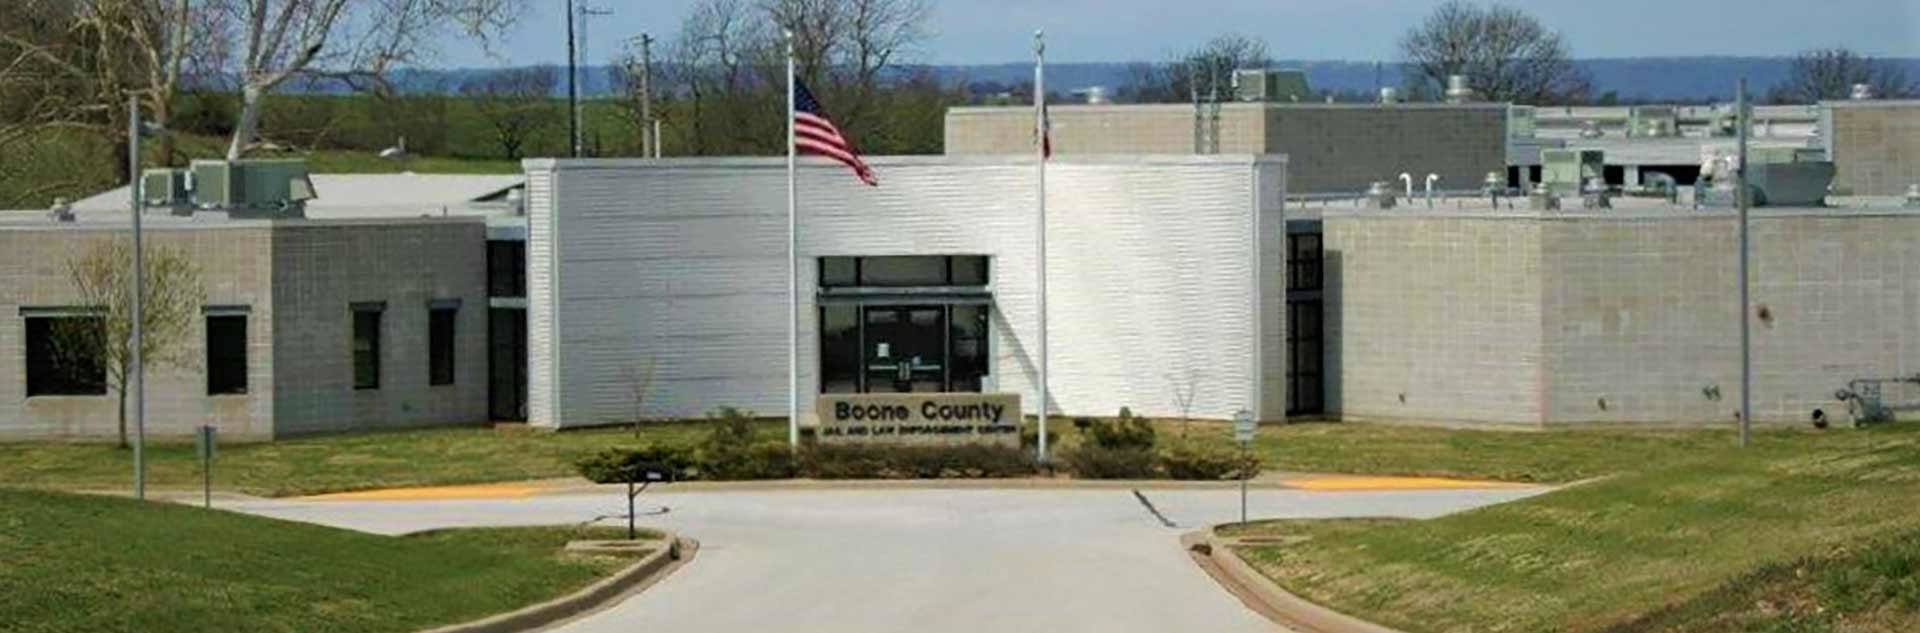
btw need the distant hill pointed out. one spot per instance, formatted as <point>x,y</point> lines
<point>1630,79</point>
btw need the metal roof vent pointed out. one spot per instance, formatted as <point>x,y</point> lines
<point>1862,92</point>
<point>517,200</point>
<point>1379,196</point>
<point>1913,196</point>
<point>62,211</point>
<point>1458,90</point>
<point>1389,96</point>
<point>1542,199</point>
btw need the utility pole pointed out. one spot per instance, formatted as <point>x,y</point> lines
<point>649,129</point>
<point>587,13</point>
<point>139,296</point>
<point>573,88</point>
<point>1746,306</point>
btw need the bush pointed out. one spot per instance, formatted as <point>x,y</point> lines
<point>830,461</point>
<point>1124,433</point>
<point>1192,461</point>
<point>1030,436</point>
<point>1091,461</point>
<point>731,452</point>
<point>620,465</point>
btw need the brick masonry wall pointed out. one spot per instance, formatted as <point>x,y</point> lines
<point>1432,318</point>
<point>321,270</point>
<point>236,268</point>
<point>1876,146</point>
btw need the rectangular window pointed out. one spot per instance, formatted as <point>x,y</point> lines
<point>903,271</point>
<point>506,268</point>
<point>63,356</point>
<point>226,354</point>
<point>440,345</point>
<point>366,347</point>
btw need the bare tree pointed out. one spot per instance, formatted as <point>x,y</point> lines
<point>639,387</point>
<point>101,276</point>
<point>353,41</point>
<point>1205,70</point>
<point>517,102</point>
<point>1830,73</point>
<point>1185,387</point>
<point>1506,55</point>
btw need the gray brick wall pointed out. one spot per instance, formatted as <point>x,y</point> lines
<point>1875,146</point>
<point>236,267</point>
<point>321,270</point>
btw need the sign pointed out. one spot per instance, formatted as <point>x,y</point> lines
<point>1244,426</point>
<point>919,418</point>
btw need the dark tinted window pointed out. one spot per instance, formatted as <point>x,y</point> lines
<point>903,271</point>
<point>366,349</point>
<point>226,354</point>
<point>440,346</point>
<point>63,356</point>
<point>506,269</point>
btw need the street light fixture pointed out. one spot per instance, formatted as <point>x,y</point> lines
<point>136,129</point>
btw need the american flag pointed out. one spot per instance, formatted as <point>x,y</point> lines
<point>814,133</point>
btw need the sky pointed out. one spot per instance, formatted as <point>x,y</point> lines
<point>997,31</point>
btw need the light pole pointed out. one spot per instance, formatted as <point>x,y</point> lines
<point>573,89</point>
<point>1746,327</point>
<point>579,119</point>
<point>139,382</point>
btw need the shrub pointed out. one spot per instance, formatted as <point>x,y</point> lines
<point>837,461</point>
<point>623,464</point>
<point>1190,460</point>
<point>1092,461</point>
<point>1030,435</point>
<point>731,451</point>
<point>1124,433</point>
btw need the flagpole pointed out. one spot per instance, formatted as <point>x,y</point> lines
<point>1040,149</point>
<point>793,269</point>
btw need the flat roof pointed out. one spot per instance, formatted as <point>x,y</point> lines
<point>976,160</point>
<point>164,220</point>
<point>1624,207</point>
<point>374,192</point>
<point>1187,108</point>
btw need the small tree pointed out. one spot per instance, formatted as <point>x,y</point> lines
<point>639,386</point>
<point>102,280</point>
<point>1830,73</point>
<point>1185,386</point>
<point>1505,53</point>
<point>517,103</point>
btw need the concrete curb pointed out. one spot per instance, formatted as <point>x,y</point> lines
<point>1291,612</point>
<point>632,579</point>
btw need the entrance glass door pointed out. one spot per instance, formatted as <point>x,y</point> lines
<point>905,349</point>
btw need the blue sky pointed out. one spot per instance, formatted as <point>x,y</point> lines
<point>990,31</point>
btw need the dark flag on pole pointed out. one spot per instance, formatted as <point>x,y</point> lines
<point>814,133</point>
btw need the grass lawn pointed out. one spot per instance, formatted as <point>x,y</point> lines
<point>335,463</point>
<point>86,563</point>
<point>1691,537</point>
<point>477,455</point>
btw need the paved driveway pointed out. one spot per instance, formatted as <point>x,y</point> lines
<point>926,560</point>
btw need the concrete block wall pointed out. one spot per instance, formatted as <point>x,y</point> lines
<point>1875,145</point>
<point>1628,317</point>
<point>1432,318</point>
<point>1100,129</point>
<point>1344,148</point>
<point>322,269</point>
<point>1642,314</point>
<point>1332,147</point>
<point>236,268</point>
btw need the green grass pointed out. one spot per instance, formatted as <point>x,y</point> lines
<point>336,463</point>
<point>85,563</point>
<point>1668,530</point>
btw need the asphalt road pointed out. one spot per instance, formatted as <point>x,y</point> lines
<point>846,561</point>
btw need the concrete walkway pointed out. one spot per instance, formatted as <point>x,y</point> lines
<point>842,561</point>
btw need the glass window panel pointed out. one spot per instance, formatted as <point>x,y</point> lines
<point>837,272</point>
<point>903,271</point>
<point>969,270</point>
<point>440,346</point>
<point>63,356</point>
<point>968,335</point>
<point>366,349</point>
<point>226,355</point>
<point>839,349</point>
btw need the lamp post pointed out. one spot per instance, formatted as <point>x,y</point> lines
<point>135,129</point>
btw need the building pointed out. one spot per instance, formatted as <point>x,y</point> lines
<point>1465,312</point>
<point>1332,148</point>
<point>1162,272</point>
<point>357,317</point>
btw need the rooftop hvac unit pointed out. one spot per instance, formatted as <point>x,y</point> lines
<point>171,188</point>
<point>1520,121</point>
<point>252,185</point>
<point>1653,121</point>
<point>1563,171</point>
<point>1256,84</point>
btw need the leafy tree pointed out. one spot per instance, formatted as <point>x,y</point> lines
<point>1830,73</point>
<point>102,279</point>
<point>1505,53</point>
<point>1197,72</point>
<point>516,103</point>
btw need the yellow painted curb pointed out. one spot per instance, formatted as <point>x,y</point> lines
<point>436,493</point>
<point>1343,483</point>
